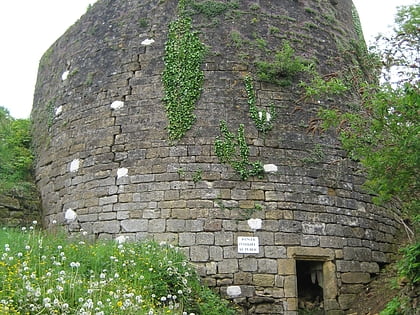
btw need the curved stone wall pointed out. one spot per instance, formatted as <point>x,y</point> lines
<point>103,150</point>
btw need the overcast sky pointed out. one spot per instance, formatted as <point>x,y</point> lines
<point>29,27</point>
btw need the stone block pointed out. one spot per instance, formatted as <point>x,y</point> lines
<point>175,225</point>
<point>310,240</point>
<point>186,239</point>
<point>223,238</point>
<point>157,225</point>
<point>357,253</point>
<point>199,253</point>
<point>242,278</point>
<point>286,266</point>
<point>372,267</point>
<point>169,238</point>
<point>228,266</point>
<point>134,225</point>
<point>332,241</point>
<point>263,280</point>
<point>286,239</point>
<point>268,308</point>
<point>205,238</point>
<point>314,253</point>
<point>313,228</point>
<point>110,227</point>
<point>290,286</point>
<point>275,251</point>
<point>216,253</point>
<point>194,225</point>
<point>213,225</point>
<point>346,300</point>
<point>355,277</point>
<point>267,266</point>
<point>290,226</point>
<point>248,264</point>
<point>108,200</point>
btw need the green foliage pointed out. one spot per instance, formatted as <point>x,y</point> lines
<point>316,155</point>
<point>182,77</point>
<point>409,266</point>
<point>143,22</point>
<point>197,176</point>
<point>319,87</point>
<point>385,139</point>
<point>285,67</point>
<point>358,25</point>
<point>233,150</point>
<point>392,308</point>
<point>384,135</point>
<point>16,156</point>
<point>50,274</point>
<point>263,120</point>
<point>211,8</point>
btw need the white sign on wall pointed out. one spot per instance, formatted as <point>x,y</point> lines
<point>248,245</point>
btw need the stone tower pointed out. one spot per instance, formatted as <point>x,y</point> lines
<point>223,159</point>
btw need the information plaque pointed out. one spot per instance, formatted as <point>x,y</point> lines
<point>248,245</point>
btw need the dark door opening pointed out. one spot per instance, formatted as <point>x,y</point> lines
<point>310,280</point>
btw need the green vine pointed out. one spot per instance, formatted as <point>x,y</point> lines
<point>182,77</point>
<point>233,150</point>
<point>263,119</point>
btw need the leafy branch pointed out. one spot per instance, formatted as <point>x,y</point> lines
<point>233,150</point>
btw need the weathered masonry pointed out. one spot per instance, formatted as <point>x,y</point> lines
<point>270,210</point>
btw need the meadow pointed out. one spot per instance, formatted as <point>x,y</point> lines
<point>50,273</point>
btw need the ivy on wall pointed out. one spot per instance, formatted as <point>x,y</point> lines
<point>263,119</point>
<point>233,150</point>
<point>182,77</point>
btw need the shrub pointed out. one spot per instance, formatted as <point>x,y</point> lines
<point>49,274</point>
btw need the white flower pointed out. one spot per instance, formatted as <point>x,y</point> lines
<point>120,239</point>
<point>35,222</point>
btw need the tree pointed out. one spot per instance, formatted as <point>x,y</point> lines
<point>16,156</point>
<point>384,136</point>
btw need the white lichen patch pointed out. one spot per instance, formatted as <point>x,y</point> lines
<point>267,116</point>
<point>270,168</point>
<point>255,224</point>
<point>121,172</point>
<point>74,165</point>
<point>70,215</point>
<point>65,75</point>
<point>148,42</point>
<point>58,110</point>
<point>233,291</point>
<point>117,105</point>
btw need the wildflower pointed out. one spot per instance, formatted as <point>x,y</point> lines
<point>54,222</point>
<point>74,264</point>
<point>119,303</point>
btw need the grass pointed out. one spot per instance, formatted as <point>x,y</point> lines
<point>44,273</point>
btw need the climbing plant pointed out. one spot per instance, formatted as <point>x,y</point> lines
<point>182,77</point>
<point>263,119</point>
<point>233,150</point>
